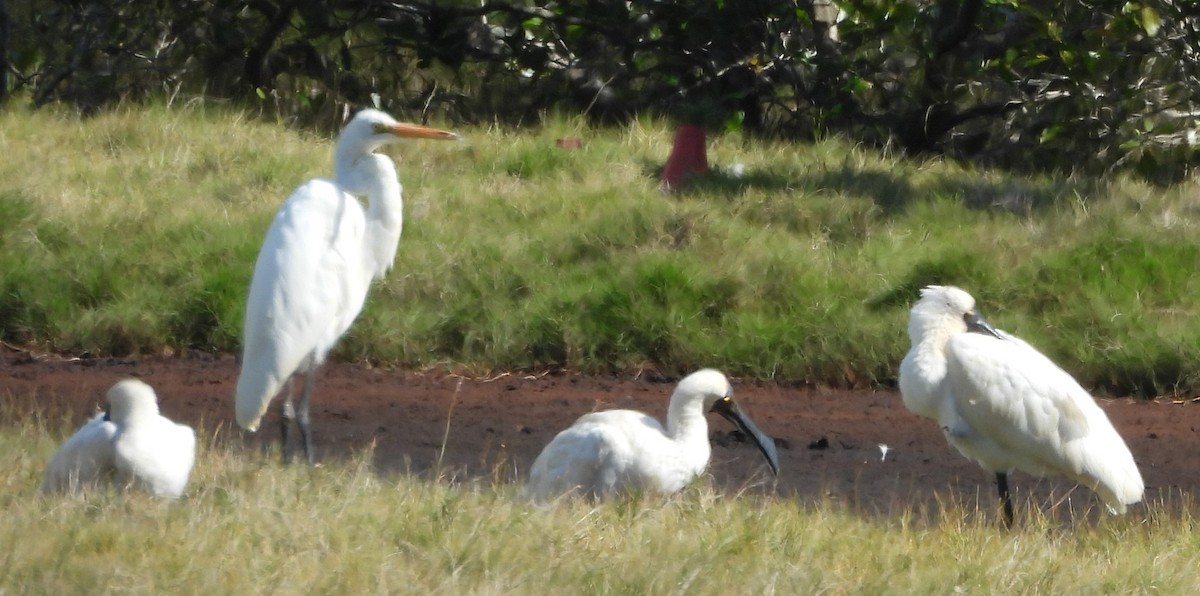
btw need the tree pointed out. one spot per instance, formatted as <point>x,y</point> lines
<point>1093,84</point>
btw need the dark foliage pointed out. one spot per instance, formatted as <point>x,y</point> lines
<point>1089,85</point>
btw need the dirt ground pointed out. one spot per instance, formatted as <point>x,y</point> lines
<point>829,440</point>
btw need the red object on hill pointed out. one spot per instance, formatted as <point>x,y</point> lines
<point>688,158</point>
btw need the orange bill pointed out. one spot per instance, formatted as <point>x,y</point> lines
<point>416,131</point>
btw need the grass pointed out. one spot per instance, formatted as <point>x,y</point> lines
<point>249,525</point>
<point>135,231</point>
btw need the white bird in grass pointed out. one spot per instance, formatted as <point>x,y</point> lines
<point>622,450</point>
<point>131,443</point>
<point>1005,405</point>
<point>84,460</point>
<point>315,267</point>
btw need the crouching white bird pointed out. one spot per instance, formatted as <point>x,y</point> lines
<point>84,460</point>
<point>622,450</point>
<point>1005,405</point>
<point>314,269</point>
<point>131,444</point>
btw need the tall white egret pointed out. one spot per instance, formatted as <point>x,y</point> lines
<point>1005,405</point>
<point>131,444</point>
<point>612,451</point>
<point>320,255</point>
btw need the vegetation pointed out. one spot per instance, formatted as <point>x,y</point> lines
<point>135,231</point>
<point>1075,85</point>
<point>249,525</point>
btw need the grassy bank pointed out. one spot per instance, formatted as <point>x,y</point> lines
<point>249,525</point>
<point>136,231</point>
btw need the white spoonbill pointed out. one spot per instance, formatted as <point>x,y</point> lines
<point>315,267</point>
<point>622,450</point>
<point>1005,405</point>
<point>149,450</point>
<point>131,443</point>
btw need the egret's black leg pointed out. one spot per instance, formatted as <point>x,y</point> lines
<point>303,419</point>
<point>1002,484</point>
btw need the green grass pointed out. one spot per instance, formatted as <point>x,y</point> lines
<point>249,525</point>
<point>136,231</point>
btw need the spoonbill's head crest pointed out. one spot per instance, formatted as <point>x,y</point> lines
<point>950,303</point>
<point>130,397</point>
<point>707,384</point>
<point>717,394</point>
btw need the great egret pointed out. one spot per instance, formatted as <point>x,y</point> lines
<point>1005,405</point>
<point>606,452</point>
<point>131,443</point>
<point>315,267</point>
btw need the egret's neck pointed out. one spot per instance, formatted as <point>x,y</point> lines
<point>374,176</point>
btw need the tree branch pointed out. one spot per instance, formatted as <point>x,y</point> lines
<point>954,24</point>
<point>255,69</point>
<point>523,11</point>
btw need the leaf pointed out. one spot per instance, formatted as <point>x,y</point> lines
<point>856,85</point>
<point>1050,133</point>
<point>735,122</point>
<point>1150,20</point>
<point>803,18</point>
<point>1054,31</point>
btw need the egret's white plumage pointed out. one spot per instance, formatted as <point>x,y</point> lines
<point>621,450</point>
<point>131,444</point>
<point>1005,405</point>
<point>314,269</point>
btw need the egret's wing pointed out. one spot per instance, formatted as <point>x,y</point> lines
<point>308,286</point>
<point>85,458</point>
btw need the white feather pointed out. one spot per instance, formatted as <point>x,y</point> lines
<point>84,460</point>
<point>1005,405</point>
<point>317,262</point>
<point>149,450</point>
<point>131,445</point>
<point>616,451</point>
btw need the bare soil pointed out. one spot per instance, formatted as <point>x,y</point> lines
<point>492,428</point>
